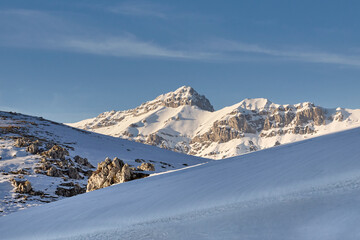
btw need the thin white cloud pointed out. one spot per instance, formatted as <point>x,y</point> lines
<point>42,30</point>
<point>128,47</point>
<point>46,30</point>
<point>139,9</point>
<point>233,47</point>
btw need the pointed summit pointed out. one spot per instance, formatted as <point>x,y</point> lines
<point>185,95</point>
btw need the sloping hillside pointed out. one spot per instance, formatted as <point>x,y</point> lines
<point>27,153</point>
<point>304,190</point>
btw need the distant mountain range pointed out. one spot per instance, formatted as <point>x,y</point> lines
<point>185,121</point>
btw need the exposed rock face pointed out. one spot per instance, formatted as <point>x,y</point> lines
<point>185,96</point>
<point>110,172</point>
<point>33,148</point>
<point>226,130</point>
<point>56,152</point>
<point>83,161</point>
<point>154,139</point>
<point>21,186</point>
<point>64,167</point>
<point>107,173</point>
<point>146,167</point>
<point>73,173</point>
<point>22,142</point>
<point>69,189</point>
<point>236,124</point>
<point>315,114</point>
<point>53,172</point>
<point>126,174</point>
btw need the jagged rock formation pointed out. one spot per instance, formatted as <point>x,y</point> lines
<point>185,96</point>
<point>184,122</point>
<point>116,171</point>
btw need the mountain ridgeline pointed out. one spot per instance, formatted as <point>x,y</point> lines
<point>185,121</point>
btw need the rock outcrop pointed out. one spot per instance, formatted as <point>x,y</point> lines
<point>154,139</point>
<point>53,172</point>
<point>146,167</point>
<point>226,130</point>
<point>69,189</point>
<point>185,96</point>
<point>21,186</point>
<point>33,148</point>
<point>56,152</point>
<point>110,172</point>
<point>83,161</point>
<point>22,142</point>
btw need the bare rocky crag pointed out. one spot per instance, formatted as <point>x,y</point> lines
<point>267,123</point>
<point>116,171</point>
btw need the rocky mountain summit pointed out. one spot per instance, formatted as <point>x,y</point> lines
<point>185,121</point>
<point>181,97</point>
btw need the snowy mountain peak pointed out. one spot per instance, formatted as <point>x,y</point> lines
<point>257,104</point>
<point>171,121</point>
<point>184,95</point>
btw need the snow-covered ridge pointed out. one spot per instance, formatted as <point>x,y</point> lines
<point>176,121</point>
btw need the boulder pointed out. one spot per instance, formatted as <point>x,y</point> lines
<point>69,189</point>
<point>33,148</point>
<point>56,152</point>
<point>73,173</point>
<point>54,172</point>
<point>154,139</point>
<point>22,142</point>
<point>83,161</point>
<point>21,186</point>
<point>146,167</point>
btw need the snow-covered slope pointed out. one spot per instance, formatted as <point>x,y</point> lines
<point>184,121</point>
<point>304,190</point>
<point>18,163</point>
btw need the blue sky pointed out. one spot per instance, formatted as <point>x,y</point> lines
<point>71,60</point>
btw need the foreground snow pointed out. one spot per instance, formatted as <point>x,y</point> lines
<point>304,190</point>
